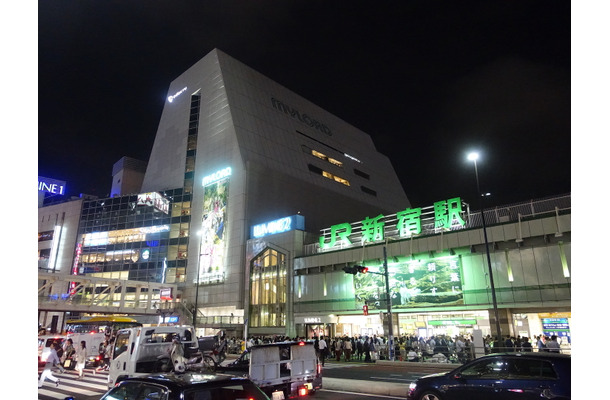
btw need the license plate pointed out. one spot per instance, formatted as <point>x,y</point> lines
<point>279,395</point>
<point>309,386</point>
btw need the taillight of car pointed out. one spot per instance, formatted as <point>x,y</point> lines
<point>303,391</point>
<point>319,368</point>
<point>301,343</point>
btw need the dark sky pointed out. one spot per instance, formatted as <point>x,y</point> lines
<point>428,80</point>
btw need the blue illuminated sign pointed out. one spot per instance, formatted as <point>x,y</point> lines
<point>278,226</point>
<point>52,186</point>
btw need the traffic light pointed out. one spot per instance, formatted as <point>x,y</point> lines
<point>350,270</point>
<point>354,269</point>
<point>361,269</point>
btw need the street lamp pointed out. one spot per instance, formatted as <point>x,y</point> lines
<point>197,287</point>
<point>474,157</point>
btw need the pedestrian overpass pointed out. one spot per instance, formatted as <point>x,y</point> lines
<point>86,294</point>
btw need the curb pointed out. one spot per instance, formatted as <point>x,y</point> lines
<point>368,387</point>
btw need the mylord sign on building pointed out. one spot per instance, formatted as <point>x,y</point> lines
<point>280,225</point>
<point>52,186</point>
<point>442,216</point>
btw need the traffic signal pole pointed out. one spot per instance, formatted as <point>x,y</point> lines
<point>354,270</point>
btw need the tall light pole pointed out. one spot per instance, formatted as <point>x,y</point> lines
<point>474,157</point>
<point>197,287</point>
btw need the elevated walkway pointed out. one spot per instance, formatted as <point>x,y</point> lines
<point>76,293</point>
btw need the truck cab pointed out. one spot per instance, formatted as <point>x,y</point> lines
<point>143,350</point>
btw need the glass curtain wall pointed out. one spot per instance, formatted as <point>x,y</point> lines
<point>268,289</point>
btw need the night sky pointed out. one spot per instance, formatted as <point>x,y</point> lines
<point>428,80</point>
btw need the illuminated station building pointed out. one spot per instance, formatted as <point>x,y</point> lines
<point>255,200</point>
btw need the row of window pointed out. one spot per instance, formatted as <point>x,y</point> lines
<point>317,170</point>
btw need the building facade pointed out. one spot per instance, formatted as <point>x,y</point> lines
<point>438,276</point>
<point>233,149</point>
<point>248,205</point>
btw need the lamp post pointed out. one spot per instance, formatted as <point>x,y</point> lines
<point>474,157</point>
<point>197,287</point>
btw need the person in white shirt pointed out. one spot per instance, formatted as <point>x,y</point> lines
<point>51,360</point>
<point>81,359</point>
<point>323,347</point>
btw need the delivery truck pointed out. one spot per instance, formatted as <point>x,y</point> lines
<point>283,370</point>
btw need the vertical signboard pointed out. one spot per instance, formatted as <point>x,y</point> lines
<point>212,252</point>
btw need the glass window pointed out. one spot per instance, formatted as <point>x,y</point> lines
<point>527,369</point>
<point>486,369</point>
<point>137,391</point>
<point>268,289</point>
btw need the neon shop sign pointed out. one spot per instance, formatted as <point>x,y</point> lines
<point>278,226</point>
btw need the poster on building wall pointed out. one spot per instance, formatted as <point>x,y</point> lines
<point>559,327</point>
<point>416,283</point>
<point>213,232</point>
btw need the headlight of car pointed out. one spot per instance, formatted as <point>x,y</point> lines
<point>412,386</point>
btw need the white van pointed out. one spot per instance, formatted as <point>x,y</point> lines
<point>140,351</point>
<point>44,346</point>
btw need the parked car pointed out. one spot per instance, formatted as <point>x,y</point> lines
<point>186,386</point>
<point>505,376</point>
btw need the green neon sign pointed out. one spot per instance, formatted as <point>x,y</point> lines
<point>443,215</point>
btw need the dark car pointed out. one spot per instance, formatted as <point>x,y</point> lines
<point>187,386</point>
<point>504,376</point>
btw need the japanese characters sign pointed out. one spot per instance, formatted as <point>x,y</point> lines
<point>442,216</point>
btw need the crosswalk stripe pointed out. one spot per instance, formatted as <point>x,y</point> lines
<point>89,385</point>
<point>84,382</point>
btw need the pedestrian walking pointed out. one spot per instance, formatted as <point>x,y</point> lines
<point>323,349</point>
<point>526,345</point>
<point>68,353</point>
<point>347,349</point>
<point>552,345</point>
<point>81,359</point>
<point>47,373</point>
<point>540,344</point>
<point>338,348</point>
<point>359,348</point>
<point>367,350</point>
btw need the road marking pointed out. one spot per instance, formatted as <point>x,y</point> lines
<point>387,377</point>
<point>377,396</point>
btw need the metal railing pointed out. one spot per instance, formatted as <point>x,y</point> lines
<point>219,321</point>
<point>59,292</point>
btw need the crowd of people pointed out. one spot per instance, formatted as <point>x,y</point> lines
<point>437,348</point>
